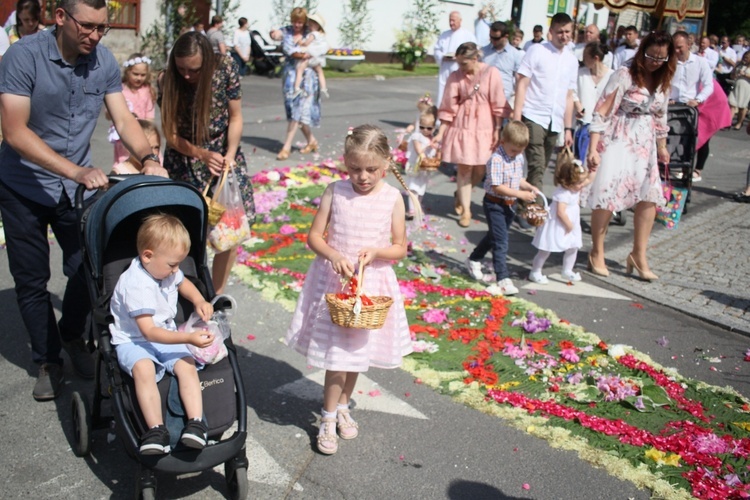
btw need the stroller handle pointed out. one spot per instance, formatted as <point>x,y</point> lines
<point>81,189</point>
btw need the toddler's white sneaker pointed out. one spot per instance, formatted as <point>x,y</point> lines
<point>571,276</point>
<point>503,287</point>
<point>474,269</point>
<point>538,278</point>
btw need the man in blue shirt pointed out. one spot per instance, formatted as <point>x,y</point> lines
<point>500,54</point>
<point>52,87</point>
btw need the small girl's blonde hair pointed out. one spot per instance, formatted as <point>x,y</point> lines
<point>425,102</point>
<point>369,139</point>
<point>160,231</point>
<point>569,172</point>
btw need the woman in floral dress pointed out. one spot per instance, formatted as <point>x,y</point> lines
<point>202,118</point>
<point>303,109</point>
<point>628,141</point>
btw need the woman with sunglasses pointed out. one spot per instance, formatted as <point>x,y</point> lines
<point>628,141</point>
<point>471,114</point>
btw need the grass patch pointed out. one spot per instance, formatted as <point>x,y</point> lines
<point>388,70</point>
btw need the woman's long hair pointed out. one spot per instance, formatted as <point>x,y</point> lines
<point>178,94</point>
<point>662,77</point>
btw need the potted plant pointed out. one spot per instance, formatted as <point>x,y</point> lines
<point>344,59</point>
<point>355,30</point>
<point>409,50</point>
<point>420,25</point>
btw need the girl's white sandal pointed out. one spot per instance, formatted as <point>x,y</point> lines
<point>348,428</point>
<point>328,441</point>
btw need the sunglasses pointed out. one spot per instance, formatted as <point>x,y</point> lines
<point>496,37</point>
<point>425,128</point>
<point>656,59</point>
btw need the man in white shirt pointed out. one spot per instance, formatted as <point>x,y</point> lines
<point>482,26</point>
<point>705,50</point>
<point>500,54</point>
<point>591,34</point>
<point>727,62</point>
<point>692,84</point>
<point>545,83</point>
<point>538,37</point>
<point>739,46</point>
<point>445,50</point>
<point>241,45</point>
<point>693,81</point>
<point>626,51</point>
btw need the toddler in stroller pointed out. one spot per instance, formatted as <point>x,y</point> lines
<point>145,335</point>
<point>107,229</point>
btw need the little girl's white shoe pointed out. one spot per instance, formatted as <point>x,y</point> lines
<point>538,278</point>
<point>571,276</point>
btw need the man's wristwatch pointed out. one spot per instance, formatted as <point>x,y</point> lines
<point>150,156</point>
<point>570,128</point>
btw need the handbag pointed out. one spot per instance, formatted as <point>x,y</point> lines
<point>232,227</point>
<point>675,197</point>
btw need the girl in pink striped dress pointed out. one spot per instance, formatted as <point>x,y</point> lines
<point>360,222</point>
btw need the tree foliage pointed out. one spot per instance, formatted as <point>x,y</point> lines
<point>355,27</point>
<point>422,21</point>
<point>728,17</point>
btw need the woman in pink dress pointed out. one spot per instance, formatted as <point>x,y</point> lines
<point>360,222</point>
<point>629,140</point>
<point>471,114</point>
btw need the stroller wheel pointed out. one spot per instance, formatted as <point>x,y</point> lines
<point>145,485</point>
<point>620,218</point>
<point>81,424</point>
<point>236,481</point>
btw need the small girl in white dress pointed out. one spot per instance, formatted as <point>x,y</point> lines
<point>419,146</point>
<point>562,230</point>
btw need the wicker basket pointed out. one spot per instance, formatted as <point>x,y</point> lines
<point>215,209</point>
<point>536,214</point>
<point>431,164</point>
<point>370,317</point>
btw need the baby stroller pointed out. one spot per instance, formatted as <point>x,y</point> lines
<point>266,57</point>
<point>107,231</point>
<point>681,142</point>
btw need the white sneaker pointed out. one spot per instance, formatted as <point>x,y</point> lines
<point>474,269</point>
<point>538,278</point>
<point>571,276</point>
<point>503,287</point>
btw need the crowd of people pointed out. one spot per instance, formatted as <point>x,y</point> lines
<point>607,100</point>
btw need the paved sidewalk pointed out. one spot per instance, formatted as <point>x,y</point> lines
<point>703,266</point>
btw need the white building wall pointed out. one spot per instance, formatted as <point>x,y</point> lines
<point>386,17</point>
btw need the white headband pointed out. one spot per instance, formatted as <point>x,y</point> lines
<point>136,60</point>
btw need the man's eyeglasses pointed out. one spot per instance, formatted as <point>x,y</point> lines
<point>425,128</point>
<point>656,59</point>
<point>496,37</point>
<point>89,28</point>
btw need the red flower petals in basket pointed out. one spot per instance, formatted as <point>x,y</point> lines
<point>356,310</point>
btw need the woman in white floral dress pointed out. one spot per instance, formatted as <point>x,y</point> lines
<point>628,140</point>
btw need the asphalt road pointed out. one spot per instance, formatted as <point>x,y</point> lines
<point>421,445</point>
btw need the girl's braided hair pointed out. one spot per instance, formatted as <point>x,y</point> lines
<point>371,139</point>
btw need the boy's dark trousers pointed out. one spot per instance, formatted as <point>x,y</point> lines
<point>499,218</point>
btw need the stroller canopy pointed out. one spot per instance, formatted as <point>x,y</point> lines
<point>137,195</point>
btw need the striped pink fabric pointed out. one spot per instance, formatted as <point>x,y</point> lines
<point>357,221</point>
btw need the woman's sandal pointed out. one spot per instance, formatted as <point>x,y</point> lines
<point>283,154</point>
<point>328,441</point>
<point>312,147</point>
<point>348,428</point>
